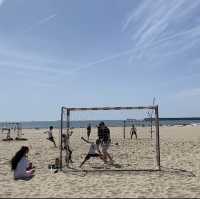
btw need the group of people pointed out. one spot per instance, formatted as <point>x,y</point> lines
<point>102,141</point>
<point>23,169</point>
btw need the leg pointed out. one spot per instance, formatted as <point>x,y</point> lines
<point>131,135</point>
<point>105,152</point>
<point>88,135</point>
<point>70,155</point>
<point>109,157</point>
<point>53,141</point>
<point>135,135</point>
<point>86,158</point>
<point>67,156</point>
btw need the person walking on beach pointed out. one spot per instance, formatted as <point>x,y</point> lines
<point>88,131</point>
<point>133,132</point>
<point>105,140</point>
<point>22,168</point>
<point>50,135</point>
<point>93,151</point>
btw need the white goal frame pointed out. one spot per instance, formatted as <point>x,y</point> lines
<point>69,110</point>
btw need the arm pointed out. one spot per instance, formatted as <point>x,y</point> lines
<point>86,140</point>
<point>70,133</point>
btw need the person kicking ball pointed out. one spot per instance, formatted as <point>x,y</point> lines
<point>93,151</point>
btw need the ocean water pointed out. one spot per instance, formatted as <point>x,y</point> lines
<point>110,123</point>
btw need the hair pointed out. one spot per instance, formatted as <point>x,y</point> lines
<point>18,156</point>
<point>51,127</point>
<point>101,124</point>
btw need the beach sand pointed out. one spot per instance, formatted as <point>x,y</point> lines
<point>180,161</point>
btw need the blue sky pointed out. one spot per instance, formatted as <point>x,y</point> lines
<point>98,53</point>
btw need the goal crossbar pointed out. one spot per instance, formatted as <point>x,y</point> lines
<point>109,108</point>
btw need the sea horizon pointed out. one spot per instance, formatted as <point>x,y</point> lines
<point>168,121</point>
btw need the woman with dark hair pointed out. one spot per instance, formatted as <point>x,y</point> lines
<point>21,166</point>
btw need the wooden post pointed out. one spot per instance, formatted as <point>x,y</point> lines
<point>157,137</point>
<point>124,129</point>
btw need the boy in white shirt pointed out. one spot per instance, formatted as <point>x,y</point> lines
<point>50,135</point>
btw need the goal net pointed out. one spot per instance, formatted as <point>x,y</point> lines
<point>11,130</point>
<point>134,138</point>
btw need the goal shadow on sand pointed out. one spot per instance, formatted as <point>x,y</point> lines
<point>119,168</point>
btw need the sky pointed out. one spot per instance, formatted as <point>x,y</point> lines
<point>77,53</point>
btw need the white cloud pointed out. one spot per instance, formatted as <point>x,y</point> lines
<point>156,23</point>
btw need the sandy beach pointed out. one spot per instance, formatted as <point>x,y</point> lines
<point>180,161</point>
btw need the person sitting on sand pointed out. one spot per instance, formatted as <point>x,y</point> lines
<point>22,168</point>
<point>93,151</point>
<point>133,131</point>
<point>50,135</point>
<point>55,166</point>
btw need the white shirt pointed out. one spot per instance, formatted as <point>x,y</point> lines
<point>50,133</point>
<point>22,165</point>
<point>93,148</point>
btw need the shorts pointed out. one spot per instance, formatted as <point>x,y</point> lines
<point>51,139</point>
<point>88,156</point>
<point>105,147</point>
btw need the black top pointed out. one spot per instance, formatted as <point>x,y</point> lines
<point>104,134</point>
<point>89,128</point>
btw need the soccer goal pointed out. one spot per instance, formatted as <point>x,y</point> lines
<point>136,154</point>
<point>12,129</point>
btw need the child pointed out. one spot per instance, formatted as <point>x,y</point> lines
<point>55,166</point>
<point>92,151</point>
<point>22,168</point>
<point>66,143</point>
<point>50,135</point>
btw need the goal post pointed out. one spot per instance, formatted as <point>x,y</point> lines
<point>66,125</point>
